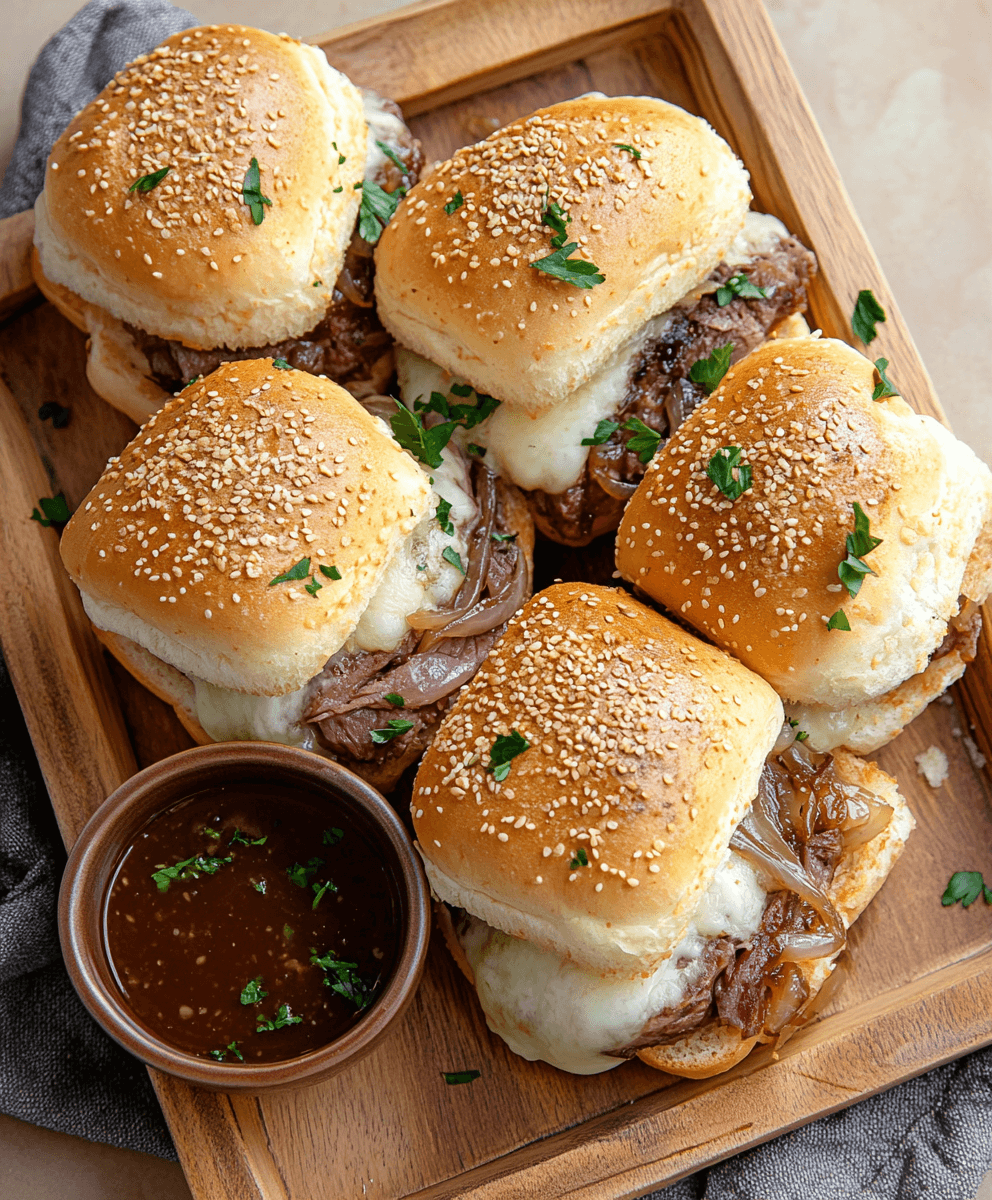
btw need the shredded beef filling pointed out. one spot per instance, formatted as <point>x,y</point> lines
<point>430,665</point>
<point>802,821</point>
<point>349,345</point>
<point>660,393</point>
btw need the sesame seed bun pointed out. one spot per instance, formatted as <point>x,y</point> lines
<point>860,873</point>
<point>468,299</point>
<point>758,575</point>
<point>661,738</point>
<point>236,480</point>
<point>185,260</point>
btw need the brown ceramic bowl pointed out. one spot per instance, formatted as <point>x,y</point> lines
<point>113,827</point>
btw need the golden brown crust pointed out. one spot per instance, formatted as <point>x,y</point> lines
<point>759,574</point>
<point>185,259</point>
<point>458,288</point>
<point>645,751</point>
<point>240,477</point>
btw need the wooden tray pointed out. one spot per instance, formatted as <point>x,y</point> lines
<point>919,977</point>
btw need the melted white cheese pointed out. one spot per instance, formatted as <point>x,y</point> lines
<point>383,126</point>
<point>230,716</point>
<point>418,577</point>
<point>761,232</point>
<point>545,1007</point>
<point>543,452</point>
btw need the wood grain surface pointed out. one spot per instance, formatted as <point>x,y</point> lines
<point>917,977</point>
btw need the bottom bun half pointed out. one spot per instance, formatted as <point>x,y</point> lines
<point>859,875</point>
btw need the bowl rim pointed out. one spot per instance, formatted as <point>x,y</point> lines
<point>94,858</point>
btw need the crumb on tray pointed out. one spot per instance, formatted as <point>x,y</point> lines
<point>932,765</point>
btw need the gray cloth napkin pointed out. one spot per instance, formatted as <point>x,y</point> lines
<point>930,1139</point>
<point>72,68</point>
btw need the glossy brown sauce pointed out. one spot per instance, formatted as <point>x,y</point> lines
<point>184,949</point>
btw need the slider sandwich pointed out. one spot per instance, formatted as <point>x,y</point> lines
<point>218,201</point>
<point>837,544</point>
<point>632,852</point>
<point>265,557</point>
<point>575,266</point>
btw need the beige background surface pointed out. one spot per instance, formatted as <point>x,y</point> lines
<point>900,88</point>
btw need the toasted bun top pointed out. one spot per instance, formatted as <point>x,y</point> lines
<point>186,260</point>
<point>645,748</point>
<point>233,483</point>
<point>759,574</point>
<point>459,289</point>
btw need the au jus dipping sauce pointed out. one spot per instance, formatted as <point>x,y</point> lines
<point>251,924</point>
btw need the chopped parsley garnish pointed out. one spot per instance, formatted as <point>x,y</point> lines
<point>253,992</point>
<point>468,415</point>
<point>287,932</point>
<point>301,875</point>
<point>443,516</point>
<point>739,286</point>
<point>296,572</point>
<point>576,271</point>
<point>145,183</point>
<point>378,207</point>
<point>220,1055</point>
<point>503,537</point>
<point>251,192</point>
<point>452,556</point>
<point>334,835</point>
<point>802,736</point>
<point>425,444</point>
<point>394,158</point>
<point>330,572</point>
<point>454,204</point>
<point>343,979</point>
<point>721,468</point>
<point>453,1077</point>
<point>839,621</point>
<point>319,889</point>
<point>58,414</point>
<point>211,833</point>
<point>313,587</point>
<point>630,149</point>
<point>859,543</point>
<point>395,699</point>
<point>581,859</point>
<point>189,382</point>
<point>645,441</point>
<point>709,371</point>
<point>283,1018</point>
<point>556,221</point>
<point>55,510</point>
<point>504,750</point>
<point>476,449</point>
<point>239,839</point>
<point>884,386</point>
<point>395,727</point>
<point>965,887</point>
<point>189,868</point>
<point>867,311</point>
<point>259,885</point>
<point>280,364</point>
<point>339,188</point>
<point>604,431</point>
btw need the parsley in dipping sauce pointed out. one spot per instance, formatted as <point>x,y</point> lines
<point>214,952</point>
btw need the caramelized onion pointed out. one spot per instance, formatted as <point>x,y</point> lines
<point>600,472</point>
<point>788,994</point>
<point>794,947</point>
<point>350,290</point>
<point>492,610</point>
